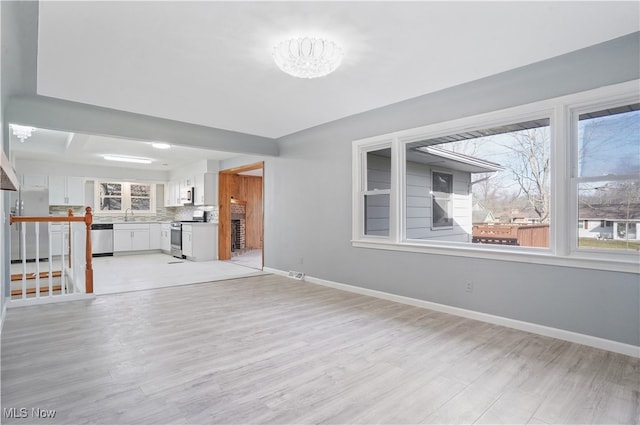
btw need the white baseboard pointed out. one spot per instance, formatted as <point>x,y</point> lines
<point>49,300</point>
<point>578,338</point>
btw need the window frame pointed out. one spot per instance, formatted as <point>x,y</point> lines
<point>126,198</point>
<point>563,211</point>
<point>360,190</point>
<point>573,112</point>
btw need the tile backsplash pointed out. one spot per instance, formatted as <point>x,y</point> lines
<point>162,213</point>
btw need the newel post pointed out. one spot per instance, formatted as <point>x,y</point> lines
<point>88,273</point>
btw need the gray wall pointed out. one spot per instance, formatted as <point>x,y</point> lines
<point>308,212</point>
<point>18,41</point>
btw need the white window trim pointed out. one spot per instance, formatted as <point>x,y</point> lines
<point>563,245</point>
<point>126,198</point>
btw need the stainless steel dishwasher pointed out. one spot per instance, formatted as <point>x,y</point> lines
<point>102,239</point>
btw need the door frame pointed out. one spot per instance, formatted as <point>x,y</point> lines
<point>224,208</point>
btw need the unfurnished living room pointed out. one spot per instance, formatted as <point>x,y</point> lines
<point>320,212</point>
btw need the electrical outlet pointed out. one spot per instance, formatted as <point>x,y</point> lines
<point>469,287</point>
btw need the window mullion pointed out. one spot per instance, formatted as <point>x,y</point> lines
<point>397,191</point>
<point>562,194</point>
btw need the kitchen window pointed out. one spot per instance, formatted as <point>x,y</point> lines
<point>118,197</point>
<point>553,182</point>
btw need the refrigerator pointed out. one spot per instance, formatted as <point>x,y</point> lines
<point>29,201</point>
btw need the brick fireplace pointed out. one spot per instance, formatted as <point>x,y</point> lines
<point>238,227</point>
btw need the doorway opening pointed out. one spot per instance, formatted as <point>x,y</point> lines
<point>241,215</point>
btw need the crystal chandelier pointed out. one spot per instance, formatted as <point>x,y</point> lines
<point>307,57</point>
<point>22,132</point>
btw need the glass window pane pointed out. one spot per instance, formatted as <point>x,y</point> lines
<point>141,190</point>
<point>111,189</point>
<point>480,185</point>
<point>140,204</point>
<point>609,142</point>
<point>379,169</point>
<point>609,211</point>
<point>376,215</point>
<point>111,204</point>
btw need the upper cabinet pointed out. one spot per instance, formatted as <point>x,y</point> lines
<point>64,190</point>
<point>204,185</point>
<point>172,194</point>
<point>206,189</point>
<point>33,180</point>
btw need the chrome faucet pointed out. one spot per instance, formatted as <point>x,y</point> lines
<point>125,214</point>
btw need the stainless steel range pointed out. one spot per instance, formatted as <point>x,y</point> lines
<point>176,232</point>
<point>176,239</point>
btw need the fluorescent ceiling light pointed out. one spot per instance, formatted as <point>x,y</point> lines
<point>159,145</point>
<point>127,159</point>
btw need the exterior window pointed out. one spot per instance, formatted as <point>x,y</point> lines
<point>110,196</point>
<point>377,192</point>
<point>488,186</point>
<point>553,182</point>
<point>140,197</point>
<point>608,178</point>
<point>117,197</point>
<point>442,200</point>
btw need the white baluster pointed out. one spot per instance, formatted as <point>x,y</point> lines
<point>50,263</point>
<point>63,278</point>
<point>23,235</point>
<point>37,280</point>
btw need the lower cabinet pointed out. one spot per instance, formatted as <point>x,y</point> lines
<point>187,240</point>
<point>165,237</point>
<point>130,237</point>
<point>154,236</point>
<point>199,241</point>
<point>59,239</point>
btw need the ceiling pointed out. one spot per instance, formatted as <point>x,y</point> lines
<point>209,63</point>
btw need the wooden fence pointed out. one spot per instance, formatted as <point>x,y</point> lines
<point>534,235</point>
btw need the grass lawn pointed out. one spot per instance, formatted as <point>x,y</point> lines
<point>608,244</point>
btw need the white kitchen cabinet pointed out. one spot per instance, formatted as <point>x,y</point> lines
<point>33,180</point>
<point>130,237</point>
<point>59,238</point>
<point>154,235</point>
<point>187,240</point>
<point>165,237</point>
<point>200,241</point>
<point>66,190</point>
<point>206,189</point>
<point>172,194</point>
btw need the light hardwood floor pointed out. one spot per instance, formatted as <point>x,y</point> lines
<point>268,349</point>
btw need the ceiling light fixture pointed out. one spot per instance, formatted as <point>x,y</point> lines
<point>21,131</point>
<point>307,57</point>
<point>127,159</point>
<point>159,145</point>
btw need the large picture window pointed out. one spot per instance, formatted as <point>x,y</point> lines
<point>555,182</point>
<point>488,186</point>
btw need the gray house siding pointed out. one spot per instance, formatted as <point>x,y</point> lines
<point>419,205</point>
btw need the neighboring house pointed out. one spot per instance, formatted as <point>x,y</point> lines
<point>613,221</point>
<point>481,215</point>
<point>438,190</point>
